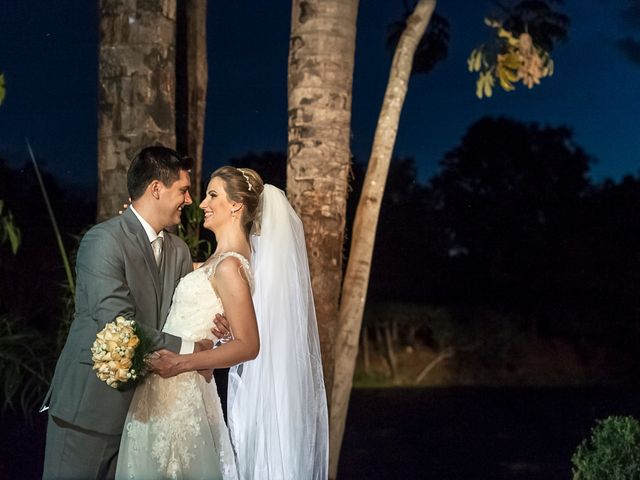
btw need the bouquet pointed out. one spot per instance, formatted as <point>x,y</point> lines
<point>119,353</point>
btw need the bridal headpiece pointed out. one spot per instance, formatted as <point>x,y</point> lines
<point>246,177</point>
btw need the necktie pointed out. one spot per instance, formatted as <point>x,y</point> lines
<point>156,246</point>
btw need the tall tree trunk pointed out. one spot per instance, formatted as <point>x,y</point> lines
<point>191,84</point>
<point>321,56</point>
<point>356,281</point>
<point>136,100</point>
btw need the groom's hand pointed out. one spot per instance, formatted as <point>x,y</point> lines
<point>221,328</point>
<point>165,363</point>
<point>200,346</point>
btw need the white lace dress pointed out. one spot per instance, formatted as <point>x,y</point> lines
<point>175,427</point>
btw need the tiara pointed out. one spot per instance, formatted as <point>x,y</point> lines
<point>246,177</point>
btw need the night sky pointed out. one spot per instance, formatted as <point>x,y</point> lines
<point>48,53</point>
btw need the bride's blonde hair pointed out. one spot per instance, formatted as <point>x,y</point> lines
<point>243,185</point>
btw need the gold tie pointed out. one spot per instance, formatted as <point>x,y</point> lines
<point>156,245</point>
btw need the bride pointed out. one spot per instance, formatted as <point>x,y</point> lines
<point>277,411</point>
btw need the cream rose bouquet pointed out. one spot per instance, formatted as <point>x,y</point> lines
<point>119,353</point>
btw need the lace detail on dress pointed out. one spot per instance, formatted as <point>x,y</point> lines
<point>209,267</point>
<point>175,427</point>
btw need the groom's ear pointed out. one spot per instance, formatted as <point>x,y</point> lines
<point>154,188</point>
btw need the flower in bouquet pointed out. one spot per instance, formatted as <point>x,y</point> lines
<point>119,352</point>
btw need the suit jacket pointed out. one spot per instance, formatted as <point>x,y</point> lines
<point>116,273</point>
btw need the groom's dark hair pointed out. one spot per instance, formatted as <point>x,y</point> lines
<point>155,163</point>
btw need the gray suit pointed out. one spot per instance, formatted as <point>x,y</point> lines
<point>116,273</point>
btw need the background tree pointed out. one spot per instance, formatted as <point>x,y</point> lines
<point>507,197</point>
<point>320,73</point>
<point>191,84</point>
<point>354,290</point>
<point>136,101</point>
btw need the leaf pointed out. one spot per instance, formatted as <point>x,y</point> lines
<point>511,61</point>
<point>475,60</point>
<point>505,81</point>
<point>492,22</point>
<point>9,230</point>
<point>502,33</point>
<point>484,85</point>
<point>14,237</point>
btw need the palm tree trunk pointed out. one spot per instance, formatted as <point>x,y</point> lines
<point>191,84</point>
<point>136,79</point>
<point>356,281</point>
<point>321,56</point>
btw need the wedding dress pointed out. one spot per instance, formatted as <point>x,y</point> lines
<point>277,405</point>
<point>175,426</point>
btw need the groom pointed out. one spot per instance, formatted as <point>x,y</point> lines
<point>127,265</point>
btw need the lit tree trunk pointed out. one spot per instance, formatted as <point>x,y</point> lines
<point>356,281</point>
<point>321,56</point>
<point>191,84</point>
<point>136,101</point>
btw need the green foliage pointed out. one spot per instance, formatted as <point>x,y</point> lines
<point>67,297</point>
<point>54,223</point>
<point>370,380</point>
<point>9,232</point>
<point>200,249</point>
<point>25,365</point>
<point>520,50</point>
<point>612,452</point>
<point>139,363</point>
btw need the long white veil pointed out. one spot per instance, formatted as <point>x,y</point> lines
<point>277,406</point>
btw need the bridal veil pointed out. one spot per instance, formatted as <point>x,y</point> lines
<point>277,406</point>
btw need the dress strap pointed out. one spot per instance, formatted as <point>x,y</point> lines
<point>212,263</point>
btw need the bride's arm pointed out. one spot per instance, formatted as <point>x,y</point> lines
<point>234,291</point>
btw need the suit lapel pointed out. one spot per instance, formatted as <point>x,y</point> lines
<point>137,234</point>
<point>168,273</point>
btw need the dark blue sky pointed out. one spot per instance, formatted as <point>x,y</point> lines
<point>48,52</point>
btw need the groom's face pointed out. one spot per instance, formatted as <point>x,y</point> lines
<point>172,198</point>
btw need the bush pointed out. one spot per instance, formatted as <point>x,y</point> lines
<point>612,452</point>
<point>26,360</point>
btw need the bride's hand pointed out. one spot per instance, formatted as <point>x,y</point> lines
<point>221,328</point>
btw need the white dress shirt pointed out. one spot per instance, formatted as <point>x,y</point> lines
<point>187,346</point>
